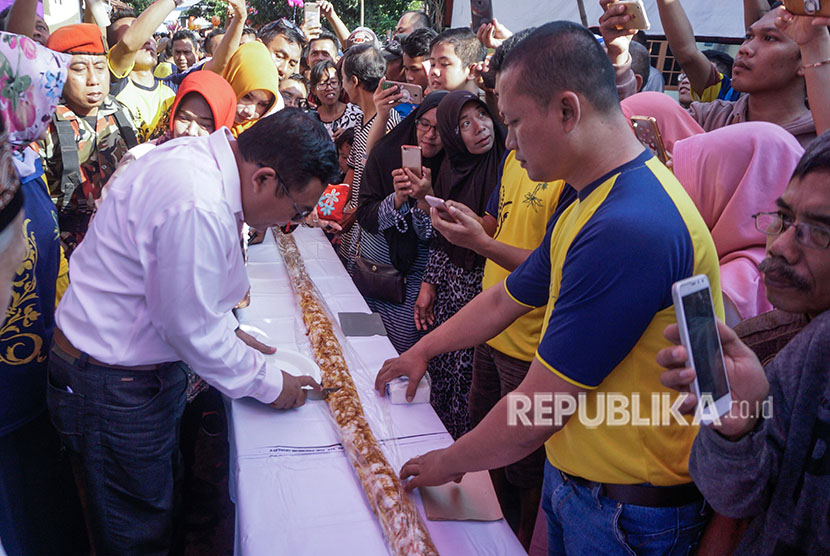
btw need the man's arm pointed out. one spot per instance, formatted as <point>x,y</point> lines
<point>617,40</point>
<point>681,39</point>
<point>122,55</point>
<point>486,315</point>
<point>230,41</point>
<point>502,437</point>
<point>340,29</point>
<point>754,10</point>
<point>21,19</point>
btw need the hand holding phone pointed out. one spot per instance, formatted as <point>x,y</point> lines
<point>482,12</point>
<point>647,131</point>
<point>411,158</point>
<point>637,12</point>
<point>410,93</point>
<point>440,206</point>
<point>698,328</point>
<point>311,14</point>
<point>808,7</point>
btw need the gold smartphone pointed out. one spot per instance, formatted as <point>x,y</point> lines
<point>637,11</point>
<point>646,130</point>
<point>808,7</point>
<point>411,93</point>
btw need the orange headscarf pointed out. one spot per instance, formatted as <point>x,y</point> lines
<point>215,90</point>
<point>250,68</point>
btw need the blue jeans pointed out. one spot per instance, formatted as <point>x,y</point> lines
<point>123,429</point>
<point>582,521</point>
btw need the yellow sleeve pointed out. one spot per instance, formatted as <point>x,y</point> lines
<point>114,74</point>
<point>63,279</point>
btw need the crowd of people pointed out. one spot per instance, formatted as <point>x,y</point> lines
<point>135,165</point>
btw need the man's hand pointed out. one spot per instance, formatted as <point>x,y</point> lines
<point>492,35</point>
<point>466,231</point>
<point>311,32</point>
<point>747,379</point>
<point>254,343</point>
<point>801,28</point>
<point>255,237</point>
<point>293,395</point>
<point>237,10</point>
<point>428,470</point>
<point>424,317</point>
<point>613,27</point>
<point>326,9</point>
<point>410,365</point>
<point>315,221</point>
<point>386,99</point>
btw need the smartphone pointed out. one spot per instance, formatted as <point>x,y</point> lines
<point>635,9</point>
<point>410,93</point>
<point>311,14</point>
<point>646,130</point>
<point>411,158</point>
<point>699,335</point>
<point>808,7</point>
<point>443,209</point>
<point>482,12</point>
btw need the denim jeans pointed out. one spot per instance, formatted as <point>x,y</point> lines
<point>123,429</point>
<point>582,521</point>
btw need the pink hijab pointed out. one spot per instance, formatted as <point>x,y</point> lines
<point>731,173</point>
<point>672,120</point>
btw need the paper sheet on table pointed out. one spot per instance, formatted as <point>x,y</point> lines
<point>473,499</point>
<point>361,324</point>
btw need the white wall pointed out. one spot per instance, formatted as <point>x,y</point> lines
<point>712,18</point>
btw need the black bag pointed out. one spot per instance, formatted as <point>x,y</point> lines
<point>378,280</point>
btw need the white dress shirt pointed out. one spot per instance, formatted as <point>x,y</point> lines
<point>160,269</point>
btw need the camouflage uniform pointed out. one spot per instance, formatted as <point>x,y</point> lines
<point>99,150</point>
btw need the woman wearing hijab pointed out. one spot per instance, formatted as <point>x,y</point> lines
<point>732,173</point>
<point>393,216</point>
<point>474,147</point>
<point>673,121</point>
<point>254,78</point>
<point>39,508</point>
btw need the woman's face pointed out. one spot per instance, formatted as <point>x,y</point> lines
<point>328,89</point>
<point>427,132</point>
<point>194,117</point>
<point>476,128</point>
<point>253,105</point>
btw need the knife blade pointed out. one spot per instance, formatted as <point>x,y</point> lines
<point>315,395</point>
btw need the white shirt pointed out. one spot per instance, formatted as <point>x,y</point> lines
<point>160,269</point>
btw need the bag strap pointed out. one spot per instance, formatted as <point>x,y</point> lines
<point>71,174</point>
<point>125,128</point>
<point>359,237</point>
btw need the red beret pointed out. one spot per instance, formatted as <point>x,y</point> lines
<point>81,38</point>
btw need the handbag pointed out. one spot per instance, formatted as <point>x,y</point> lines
<point>379,280</point>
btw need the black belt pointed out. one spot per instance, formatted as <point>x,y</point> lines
<point>643,495</point>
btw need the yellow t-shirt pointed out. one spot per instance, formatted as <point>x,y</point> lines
<point>604,274</point>
<point>523,211</point>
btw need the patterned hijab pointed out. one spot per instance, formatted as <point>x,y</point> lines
<point>251,68</point>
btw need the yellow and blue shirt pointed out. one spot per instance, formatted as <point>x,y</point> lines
<point>604,274</point>
<point>718,88</point>
<point>523,209</point>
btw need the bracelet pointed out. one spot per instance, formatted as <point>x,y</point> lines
<point>816,65</point>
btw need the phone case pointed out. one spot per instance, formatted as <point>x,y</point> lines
<point>311,14</point>
<point>410,93</point>
<point>647,131</point>
<point>411,158</point>
<point>639,18</point>
<point>482,12</point>
<point>808,7</point>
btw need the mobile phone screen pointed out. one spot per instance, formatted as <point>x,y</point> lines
<point>705,344</point>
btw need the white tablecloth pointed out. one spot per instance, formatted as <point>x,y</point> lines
<point>295,492</point>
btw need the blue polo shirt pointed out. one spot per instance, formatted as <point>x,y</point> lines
<point>604,273</point>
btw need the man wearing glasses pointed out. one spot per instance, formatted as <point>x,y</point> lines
<point>153,287</point>
<point>771,466</point>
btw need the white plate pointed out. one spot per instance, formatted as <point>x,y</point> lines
<point>294,363</point>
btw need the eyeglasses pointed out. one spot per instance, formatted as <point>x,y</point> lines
<point>425,126</point>
<point>808,235</point>
<point>301,214</point>
<point>331,84</point>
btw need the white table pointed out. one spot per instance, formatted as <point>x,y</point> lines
<point>295,492</point>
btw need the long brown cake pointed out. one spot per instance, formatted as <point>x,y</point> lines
<point>402,527</point>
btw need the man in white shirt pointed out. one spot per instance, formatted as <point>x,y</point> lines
<point>152,286</point>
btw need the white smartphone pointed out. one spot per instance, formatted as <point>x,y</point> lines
<point>443,209</point>
<point>411,158</point>
<point>637,11</point>
<point>311,14</point>
<point>699,335</point>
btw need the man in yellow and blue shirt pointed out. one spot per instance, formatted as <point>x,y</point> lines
<point>604,275</point>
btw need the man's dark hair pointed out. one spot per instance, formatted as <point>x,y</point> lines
<point>723,61</point>
<point>365,62</point>
<point>282,27</point>
<point>326,35</point>
<point>299,78</point>
<point>816,158</point>
<point>417,42</point>
<point>563,56</point>
<point>346,137</point>
<point>249,31</point>
<point>185,35</point>
<point>640,62</point>
<point>467,46</point>
<point>116,15</point>
<point>497,59</point>
<point>4,14</point>
<point>420,21</point>
<point>294,144</point>
<point>207,47</point>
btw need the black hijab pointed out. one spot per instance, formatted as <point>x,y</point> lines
<point>376,183</point>
<point>465,177</point>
